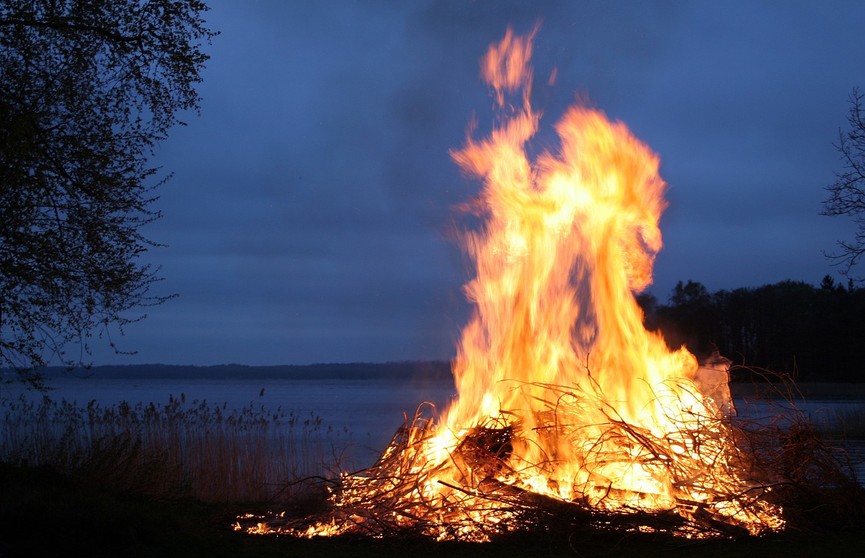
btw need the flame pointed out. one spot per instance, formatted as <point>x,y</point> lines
<point>563,395</point>
<point>566,242</point>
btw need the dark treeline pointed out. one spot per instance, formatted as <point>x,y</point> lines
<point>811,333</point>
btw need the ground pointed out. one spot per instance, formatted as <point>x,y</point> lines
<point>43,513</point>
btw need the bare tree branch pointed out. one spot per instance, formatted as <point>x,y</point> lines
<point>847,192</point>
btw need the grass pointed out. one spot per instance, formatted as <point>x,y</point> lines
<point>189,449</point>
<point>847,422</point>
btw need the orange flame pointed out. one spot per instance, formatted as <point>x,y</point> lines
<point>566,242</point>
<point>572,397</point>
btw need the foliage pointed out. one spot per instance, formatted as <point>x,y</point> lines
<point>812,333</point>
<point>87,90</point>
<point>847,193</point>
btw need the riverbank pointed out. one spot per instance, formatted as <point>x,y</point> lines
<point>105,506</point>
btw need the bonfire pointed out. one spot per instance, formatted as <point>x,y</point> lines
<point>568,411</point>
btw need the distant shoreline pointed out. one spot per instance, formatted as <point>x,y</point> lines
<point>410,370</point>
<point>804,390</point>
<point>429,371</point>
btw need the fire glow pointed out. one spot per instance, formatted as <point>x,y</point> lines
<point>566,404</point>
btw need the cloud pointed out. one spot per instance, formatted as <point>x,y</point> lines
<point>310,213</point>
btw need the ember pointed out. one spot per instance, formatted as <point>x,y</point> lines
<point>569,410</point>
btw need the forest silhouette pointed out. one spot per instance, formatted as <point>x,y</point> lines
<point>791,328</point>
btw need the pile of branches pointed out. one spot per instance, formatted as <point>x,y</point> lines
<point>787,466</point>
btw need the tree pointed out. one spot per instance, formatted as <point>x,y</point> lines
<point>847,193</point>
<point>813,333</point>
<point>87,89</point>
<point>692,311</point>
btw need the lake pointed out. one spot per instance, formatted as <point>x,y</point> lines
<point>368,410</point>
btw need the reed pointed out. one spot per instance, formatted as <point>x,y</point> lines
<point>847,422</point>
<point>178,449</point>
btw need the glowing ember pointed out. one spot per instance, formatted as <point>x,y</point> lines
<point>567,406</point>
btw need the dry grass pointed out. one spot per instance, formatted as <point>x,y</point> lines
<point>847,422</point>
<point>180,449</point>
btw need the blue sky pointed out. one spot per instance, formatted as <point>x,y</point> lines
<point>310,214</point>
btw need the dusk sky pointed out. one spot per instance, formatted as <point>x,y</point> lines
<point>311,211</point>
